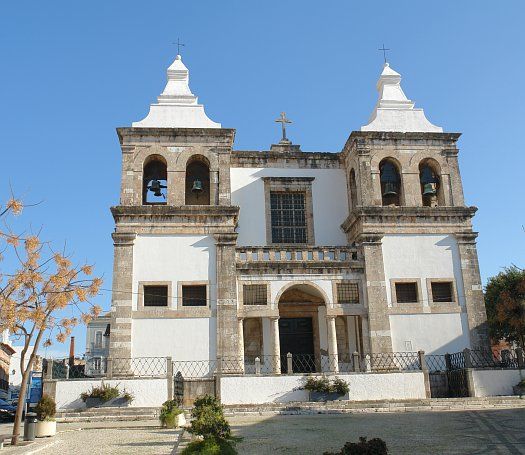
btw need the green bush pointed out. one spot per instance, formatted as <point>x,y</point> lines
<point>210,447</point>
<point>375,446</point>
<point>324,385</point>
<point>46,408</point>
<point>169,412</point>
<point>105,392</point>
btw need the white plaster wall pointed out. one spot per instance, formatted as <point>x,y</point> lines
<point>488,383</point>
<point>432,333</point>
<point>329,194</point>
<point>422,256</point>
<point>147,392</point>
<point>283,389</point>
<point>166,258</point>
<point>182,339</point>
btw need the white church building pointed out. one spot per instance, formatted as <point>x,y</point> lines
<point>236,254</point>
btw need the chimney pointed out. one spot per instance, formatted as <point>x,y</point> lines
<point>72,352</point>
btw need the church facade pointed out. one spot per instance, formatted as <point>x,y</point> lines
<point>242,254</point>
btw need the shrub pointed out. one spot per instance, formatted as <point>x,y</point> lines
<point>46,408</point>
<point>208,419</point>
<point>375,446</point>
<point>105,392</point>
<point>209,447</point>
<point>521,383</point>
<point>323,385</point>
<point>169,412</point>
<point>128,396</point>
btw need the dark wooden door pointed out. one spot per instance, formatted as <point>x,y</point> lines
<point>296,336</point>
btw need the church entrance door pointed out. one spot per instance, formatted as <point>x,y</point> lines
<point>296,336</point>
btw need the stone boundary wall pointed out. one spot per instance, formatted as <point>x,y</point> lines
<point>148,392</point>
<point>489,383</point>
<point>237,390</point>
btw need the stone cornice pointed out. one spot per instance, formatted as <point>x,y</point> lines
<point>301,160</point>
<point>218,136</point>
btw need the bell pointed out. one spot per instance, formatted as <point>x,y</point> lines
<point>155,187</point>
<point>390,189</point>
<point>429,189</point>
<point>197,186</point>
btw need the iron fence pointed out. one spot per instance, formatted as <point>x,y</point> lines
<point>395,361</point>
<point>195,368</point>
<point>488,359</point>
<point>436,362</point>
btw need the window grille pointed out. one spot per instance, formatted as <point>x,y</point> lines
<point>442,292</point>
<point>288,215</point>
<point>347,292</point>
<point>406,292</point>
<point>194,295</point>
<point>155,295</point>
<point>254,294</point>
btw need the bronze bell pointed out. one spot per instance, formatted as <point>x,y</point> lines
<point>155,187</point>
<point>429,189</point>
<point>197,186</point>
<point>390,189</point>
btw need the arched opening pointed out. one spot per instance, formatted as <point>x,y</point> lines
<point>353,190</point>
<point>390,179</point>
<point>302,328</point>
<point>430,182</point>
<point>155,180</point>
<point>197,181</point>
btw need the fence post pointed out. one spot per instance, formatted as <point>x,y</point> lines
<point>467,357</point>
<point>169,377</point>
<point>257,365</point>
<point>289,365</point>
<point>468,372</point>
<point>355,356</point>
<point>109,368</point>
<point>448,362</point>
<point>49,371</point>
<point>67,371</point>
<point>426,374</point>
<point>218,377</point>
<point>368,363</point>
<point>519,358</point>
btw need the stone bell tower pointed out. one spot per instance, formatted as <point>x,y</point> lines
<point>174,238</point>
<point>408,214</point>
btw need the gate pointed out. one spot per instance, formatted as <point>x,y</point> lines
<point>447,375</point>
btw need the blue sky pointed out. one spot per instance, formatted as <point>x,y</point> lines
<point>74,71</point>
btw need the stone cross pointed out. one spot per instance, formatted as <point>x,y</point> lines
<point>283,121</point>
<point>384,51</point>
<point>179,44</point>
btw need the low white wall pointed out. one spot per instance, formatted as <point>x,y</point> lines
<point>283,389</point>
<point>147,392</point>
<point>488,383</point>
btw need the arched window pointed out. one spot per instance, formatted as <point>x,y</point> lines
<point>390,183</point>
<point>154,180</point>
<point>197,181</point>
<point>353,190</point>
<point>430,184</point>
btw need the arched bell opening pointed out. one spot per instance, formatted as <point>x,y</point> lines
<point>197,190</point>
<point>430,182</point>
<point>353,190</point>
<point>154,180</point>
<point>390,179</point>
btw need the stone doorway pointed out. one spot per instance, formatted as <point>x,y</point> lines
<point>296,336</point>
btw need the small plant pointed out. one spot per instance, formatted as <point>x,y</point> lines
<point>169,412</point>
<point>104,392</point>
<point>340,386</point>
<point>128,396</point>
<point>46,408</point>
<point>324,385</point>
<point>375,446</point>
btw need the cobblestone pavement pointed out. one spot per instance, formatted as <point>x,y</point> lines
<point>469,432</point>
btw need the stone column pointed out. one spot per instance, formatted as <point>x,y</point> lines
<point>455,187</point>
<point>121,303</point>
<point>473,290</point>
<point>276,346</point>
<point>333,357</point>
<point>240,355</point>
<point>378,320</point>
<point>227,323</point>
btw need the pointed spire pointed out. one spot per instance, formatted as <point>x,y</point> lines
<point>177,106</point>
<point>394,111</point>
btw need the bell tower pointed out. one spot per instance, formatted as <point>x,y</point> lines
<point>175,204</point>
<point>408,214</point>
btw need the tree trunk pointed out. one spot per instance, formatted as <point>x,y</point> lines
<point>21,403</point>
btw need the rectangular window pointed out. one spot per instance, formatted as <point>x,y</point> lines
<point>98,339</point>
<point>347,292</point>
<point>288,217</point>
<point>194,295</point>
<point>97,363</point>
<point>254,294</point>
<point>155,296</point>
<point>442,291</point>
<point>406,293</point>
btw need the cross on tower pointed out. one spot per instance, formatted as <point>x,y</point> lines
<point>283,121</point>
<point>179,44</point>
<point>384,51</point>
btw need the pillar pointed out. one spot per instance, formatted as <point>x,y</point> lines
<point>473,290</point>
<point>227,323</point>
<point>240,354</point>
<point>333,357</point>
<point>121,303</point>
<point>276,347</point>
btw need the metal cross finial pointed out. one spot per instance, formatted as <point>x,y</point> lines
<point>179,44</point>
<point>384,51</point>
<point>283,121</point>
